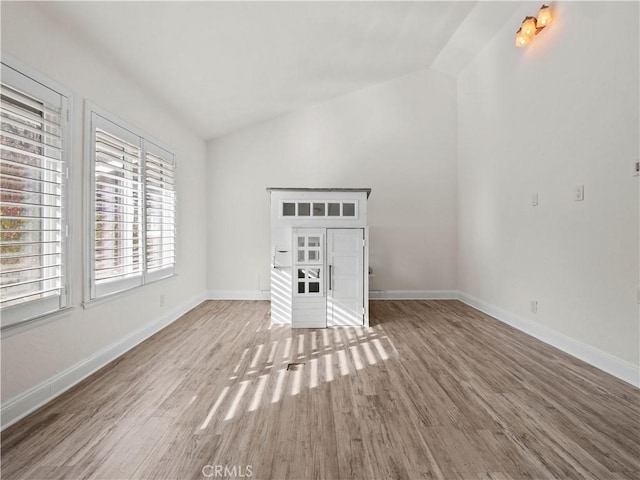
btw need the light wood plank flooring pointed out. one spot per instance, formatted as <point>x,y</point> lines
<point>434,389</point>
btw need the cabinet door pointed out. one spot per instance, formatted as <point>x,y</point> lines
<point>345,276</point>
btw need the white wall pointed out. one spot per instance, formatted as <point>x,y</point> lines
<point>38,354</point>
<point>399,138</point>
<point>559,113</point>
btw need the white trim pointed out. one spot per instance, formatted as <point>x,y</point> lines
<point>239,295</point>
<point>34,398</point>
<point>365,272</point>
<point>36,75</point>
<point>91,107</point>
<point>413,294</point>
<point>20,327</point>
<point>121,293</point>
<point>606,362</point>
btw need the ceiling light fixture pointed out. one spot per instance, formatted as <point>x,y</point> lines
<point>531,26</point>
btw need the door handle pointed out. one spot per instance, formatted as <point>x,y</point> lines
<point>330,269</point>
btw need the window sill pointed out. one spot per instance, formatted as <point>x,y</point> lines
<point>87,304</point>
<point>24,325</point>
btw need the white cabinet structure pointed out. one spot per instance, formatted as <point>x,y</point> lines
<point>319,257</point>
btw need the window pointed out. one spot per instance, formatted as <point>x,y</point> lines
<point>133,205</point>
<point>160,205</point>
<point>309,264</point>
<point>303,209</point>
<point>318,209</point>
<point>33,192</point>
<point>309,280</point>
<point>289,209</point>
<point>334,209</point>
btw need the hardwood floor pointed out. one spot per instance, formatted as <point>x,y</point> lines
<point>434,389</point>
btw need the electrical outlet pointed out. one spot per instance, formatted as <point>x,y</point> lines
<point>162,300</point>
<point>578,193</point>
<point>534,199</point>
<point>534,306</point>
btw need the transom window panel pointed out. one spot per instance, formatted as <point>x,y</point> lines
<point>33,176</point>
<point>318,209</point>
<point>133,208</point>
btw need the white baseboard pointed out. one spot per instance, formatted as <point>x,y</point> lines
<point>413,294</point>
<point>25,403</point>
<point>239,295</point>
<point>615,366</point>
<point>34,398</point>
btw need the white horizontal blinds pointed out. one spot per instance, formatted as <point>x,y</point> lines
<point>133,211</point>
<point>32,178</point>
<point>117,242</point>
<point>160,204</point>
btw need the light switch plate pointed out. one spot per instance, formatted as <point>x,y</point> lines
<point>578,193</point>
<point>534,199</point>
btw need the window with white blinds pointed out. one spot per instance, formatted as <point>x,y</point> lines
<point>160,204</point>
<point>33,177</point>
<point>117,249</point>
<point>132,208</point>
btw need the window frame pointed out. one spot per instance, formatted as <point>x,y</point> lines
<point>306,264</point>
<point>35,84</point>
<point>93,293</point>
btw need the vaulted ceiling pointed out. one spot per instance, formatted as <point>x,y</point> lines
<point>220,66</point>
